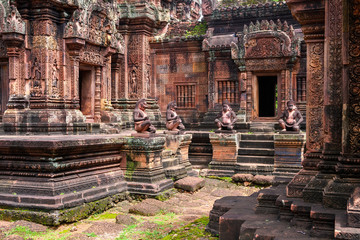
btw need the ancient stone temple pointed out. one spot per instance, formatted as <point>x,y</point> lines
<point>72,72</point>
<point>322,199</point>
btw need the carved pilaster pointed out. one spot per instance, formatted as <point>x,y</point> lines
<point>116,76</point>
<point>211,94</point>
<point>311,16</point>
<point>13,42</point>
<point>332,114</point>
<point>74,45</point>
<point>97,109</point>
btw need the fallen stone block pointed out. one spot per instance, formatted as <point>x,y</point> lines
<point>263,180</point>
<point>190,184</point>
<point>242,177</point>
<point>125,219</point>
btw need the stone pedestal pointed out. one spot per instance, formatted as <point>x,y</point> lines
<point>225,151</point>
<point>143,169</point>
<point>176,156</point>
<point>288,156</point>
<point>57,179</point>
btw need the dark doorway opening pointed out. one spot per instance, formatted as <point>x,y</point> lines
<point>267,96</point>
<point>86,91</point>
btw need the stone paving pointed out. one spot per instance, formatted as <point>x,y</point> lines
<point>131,219</point>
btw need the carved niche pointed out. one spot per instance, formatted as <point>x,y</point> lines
<point>265,46</point>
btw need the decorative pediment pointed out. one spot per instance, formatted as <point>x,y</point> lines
<point>96,22</point>
<point>266,40</point>
<point>11,21</point>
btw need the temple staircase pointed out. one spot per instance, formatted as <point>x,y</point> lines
<point>269,214</point>
<point>256,153</point>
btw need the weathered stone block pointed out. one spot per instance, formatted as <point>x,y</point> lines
<point>242,177</point>
<point>190,184</point>
<point>224,146</point>
<point>144,170</point>
<point>289,150</point>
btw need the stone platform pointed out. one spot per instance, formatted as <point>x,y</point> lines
<point>53,175</point>
<point>269,214</point>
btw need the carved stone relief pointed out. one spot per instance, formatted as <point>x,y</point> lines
<point>315,98</point>
<point>354,76</point>
<point>36,85</point>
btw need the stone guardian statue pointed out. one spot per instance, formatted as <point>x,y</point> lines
<point>291,118</point>
<point>226,118</point>
<point>173,121</point>
<point>141,120</point>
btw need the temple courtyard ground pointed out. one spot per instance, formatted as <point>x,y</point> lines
<point>183,216</point>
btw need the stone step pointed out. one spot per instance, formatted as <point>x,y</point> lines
<point>272,230</point>
<point>269,137</point>
<point>232,221</point>
<point>342,231</point>
<point>255,159</point>
<point>223,205</point>
<point>257,144</point>
<point>255,168</point>
<point>256,151</point>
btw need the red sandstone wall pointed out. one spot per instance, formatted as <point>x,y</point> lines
<point>180,64</point>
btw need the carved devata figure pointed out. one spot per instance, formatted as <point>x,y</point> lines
<point>141,120</point>
<point>226,118</point>
<point>291,118</point>
<point>132,84</point>
<point>173,121</point>
<point>55,80</point>
<point>36,86</point>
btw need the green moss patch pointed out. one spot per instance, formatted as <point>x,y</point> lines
<point>194,230</point>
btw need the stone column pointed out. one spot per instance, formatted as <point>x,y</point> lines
<point>311,16</point>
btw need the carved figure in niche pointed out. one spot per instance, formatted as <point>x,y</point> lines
<point>173,121</point>
<point>36,79</point>
<point>132,84</point>
<point>141,120</point>
<point>226,118</point>
<point>291,118</point>
<point>147,83</point>
<point>55,79</point>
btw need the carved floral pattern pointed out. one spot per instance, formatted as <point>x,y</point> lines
<point>354,76</point>
<point>315,95</point>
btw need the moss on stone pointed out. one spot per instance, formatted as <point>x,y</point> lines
<point>55,218</point>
